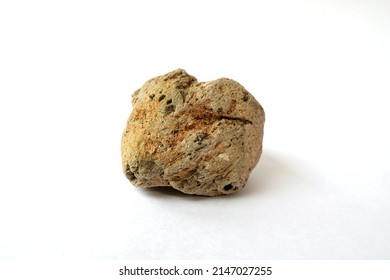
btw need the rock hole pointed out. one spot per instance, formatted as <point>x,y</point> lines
<point>161,97</point>
<point>169,109</point>
<point>129,175</point>
<point>169,101</point>
<point>200,136</point>
<point>151,96</point>
<point>228,187</point>
<point>245,97</point>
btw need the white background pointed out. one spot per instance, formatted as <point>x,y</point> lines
<point>321,70</point>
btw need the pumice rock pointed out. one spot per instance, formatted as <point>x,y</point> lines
<point>200,138</point>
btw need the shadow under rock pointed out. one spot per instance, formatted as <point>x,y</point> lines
<point>277,173</point>
<point>274,173</point>
<point>171,192</point>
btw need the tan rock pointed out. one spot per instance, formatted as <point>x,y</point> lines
<point>200,138</point>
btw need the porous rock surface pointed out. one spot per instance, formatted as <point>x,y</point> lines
<point>200,138</point>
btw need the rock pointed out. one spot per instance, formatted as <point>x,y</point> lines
<point>200,138</point>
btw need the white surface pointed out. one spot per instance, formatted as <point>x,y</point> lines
<point>319,68</point>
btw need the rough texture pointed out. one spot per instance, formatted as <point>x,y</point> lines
<point>200,138</point>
